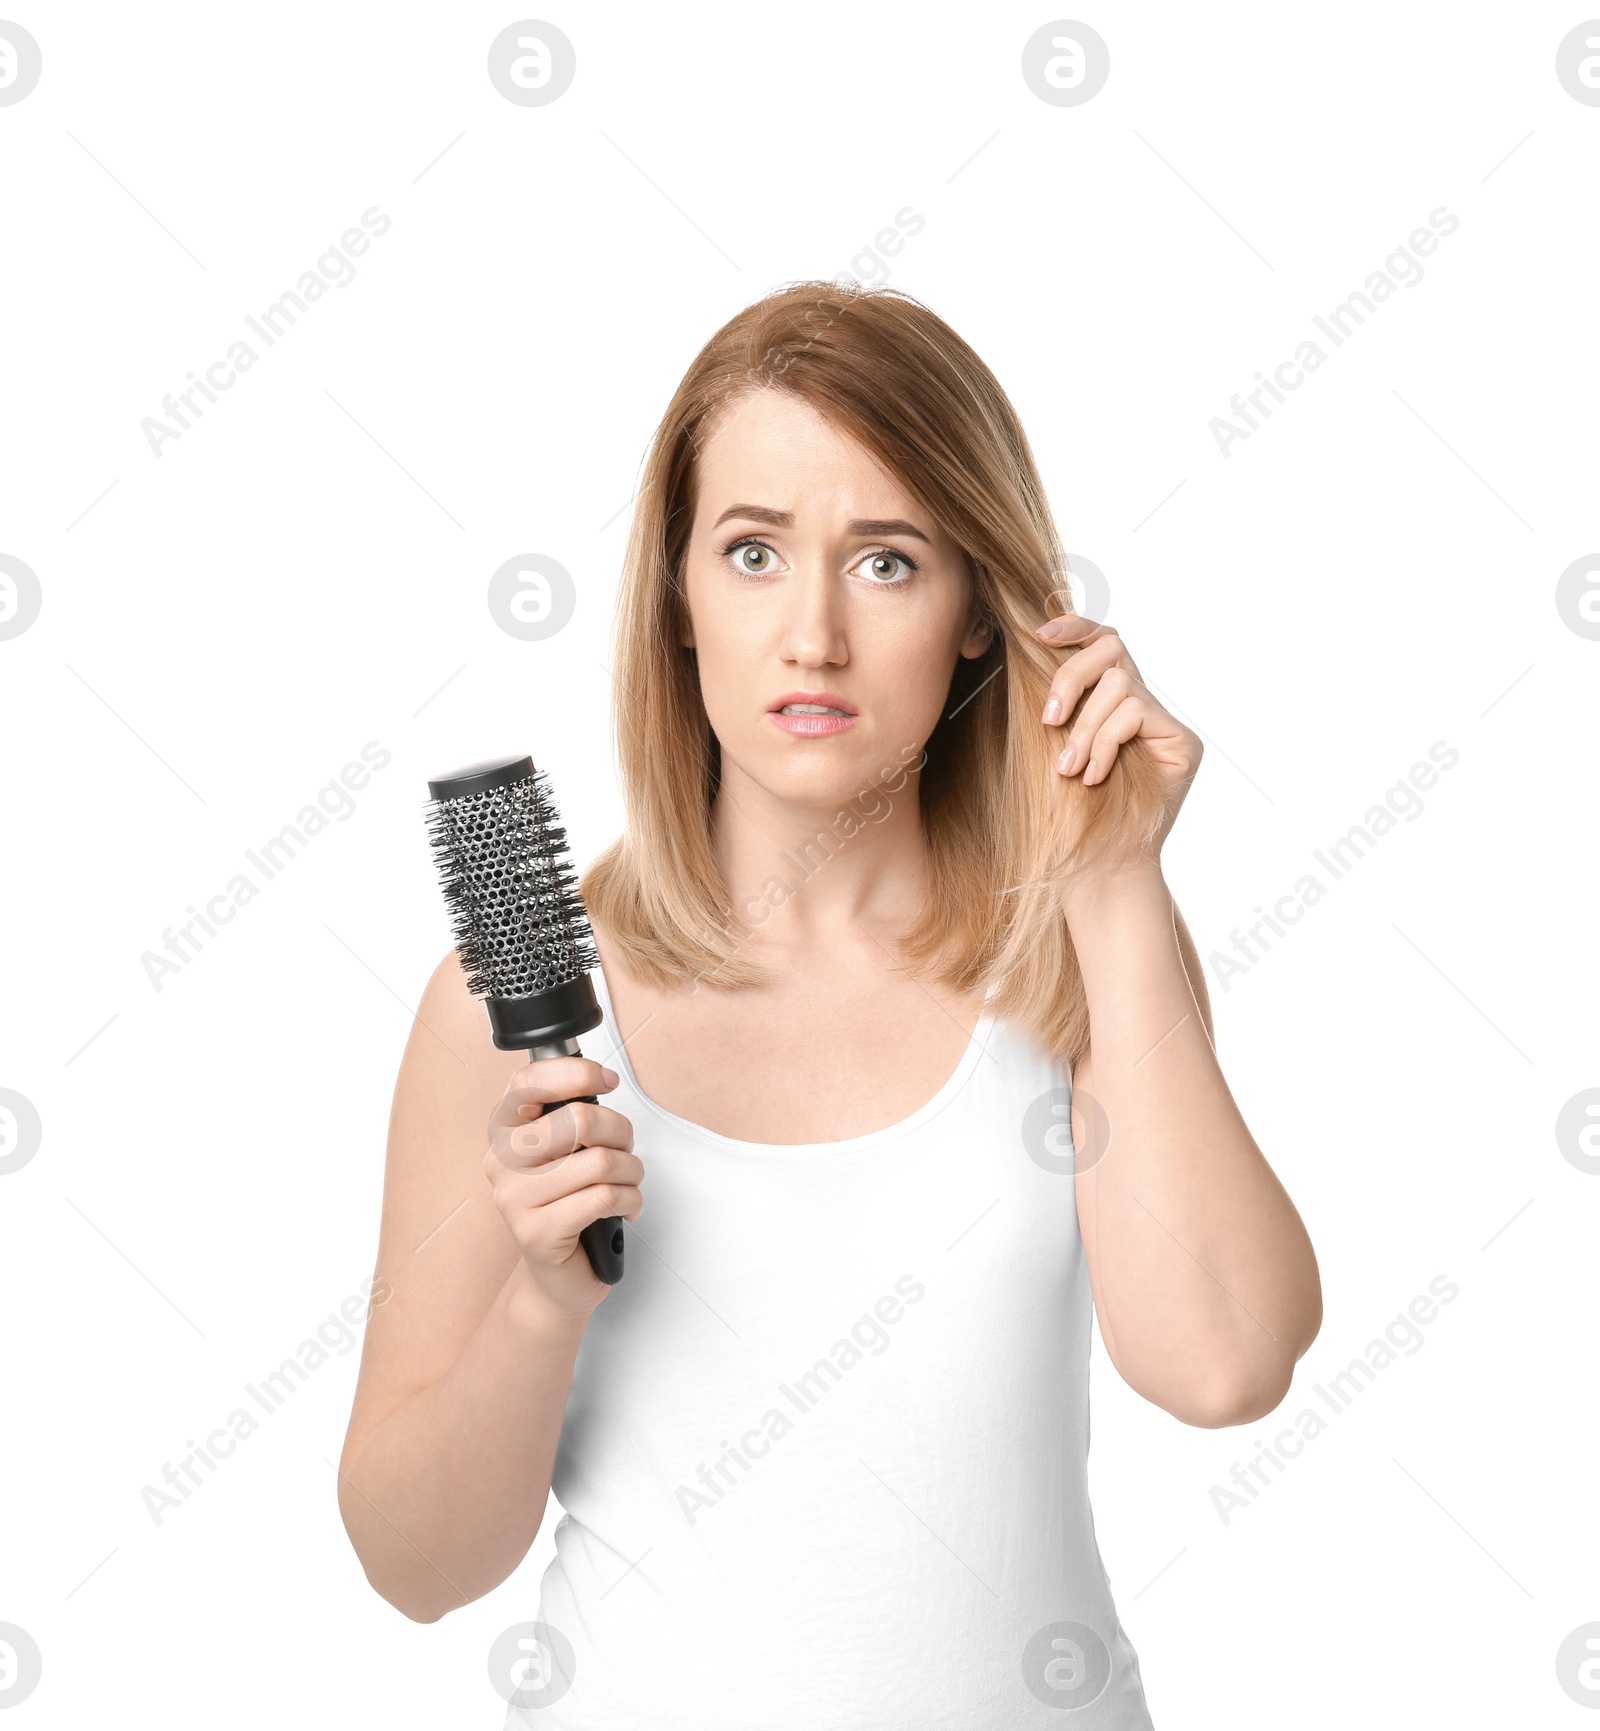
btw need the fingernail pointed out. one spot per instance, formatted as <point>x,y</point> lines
<point>612,1078</point>
<point>1065,761</point>
<point>1053,629</point>
<point>1052,712</point>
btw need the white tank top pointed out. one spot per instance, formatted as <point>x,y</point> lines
<point>823,1464</point>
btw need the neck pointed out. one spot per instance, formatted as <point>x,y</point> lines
<point>817,877</point>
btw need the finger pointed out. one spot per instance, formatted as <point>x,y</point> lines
<point>564,1176</point>
<point>1113,687</point>
<point>545,1080</point>
<point>551,1234</point>
<point>1072,628</point>
<point>575,1125</point>
<point>1123,723</point>
<point>1076,674</point>
<point>568,1217</point>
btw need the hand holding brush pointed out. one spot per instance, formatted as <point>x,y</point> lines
<point>524,940</point>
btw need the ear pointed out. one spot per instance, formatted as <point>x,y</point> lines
<point>980,630</point>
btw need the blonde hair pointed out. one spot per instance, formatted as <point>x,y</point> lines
<point>1003,829</point>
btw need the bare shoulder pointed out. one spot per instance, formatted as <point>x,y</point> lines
<point>444,1250</point>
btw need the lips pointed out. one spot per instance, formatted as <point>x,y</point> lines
<point>813,714</point>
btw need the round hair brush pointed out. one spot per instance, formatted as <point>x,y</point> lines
<point>520,926</point>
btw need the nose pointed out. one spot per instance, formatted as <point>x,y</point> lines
<point>813,626</point>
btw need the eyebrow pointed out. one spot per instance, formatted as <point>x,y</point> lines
<point>856,526</point>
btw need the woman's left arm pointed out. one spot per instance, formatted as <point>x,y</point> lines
<point>1204,1279</point>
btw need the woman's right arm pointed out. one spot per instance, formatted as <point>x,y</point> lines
<point>468,1360</point>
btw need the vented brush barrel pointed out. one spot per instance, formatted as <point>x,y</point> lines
<point>520,925</point>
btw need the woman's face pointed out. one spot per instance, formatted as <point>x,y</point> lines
<point>826,607</point>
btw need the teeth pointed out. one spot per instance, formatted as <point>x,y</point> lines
<point>810,709</point>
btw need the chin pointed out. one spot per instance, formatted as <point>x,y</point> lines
<point>828,772</point>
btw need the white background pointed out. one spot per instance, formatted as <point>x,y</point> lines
<point>305,570</point>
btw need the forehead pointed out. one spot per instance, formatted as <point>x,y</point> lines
<point>772,447</point>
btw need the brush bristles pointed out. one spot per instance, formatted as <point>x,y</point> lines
<point>511,889</point>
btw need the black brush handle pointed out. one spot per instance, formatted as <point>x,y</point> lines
<point>601,1239</point>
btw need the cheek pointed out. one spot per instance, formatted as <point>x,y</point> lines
<point>728,643</point>
<point>912,657</point>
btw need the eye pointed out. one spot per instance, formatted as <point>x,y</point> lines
<point>885,567</point>
<point>751,558</point>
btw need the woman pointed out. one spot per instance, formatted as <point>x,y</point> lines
<point>891,876</point>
